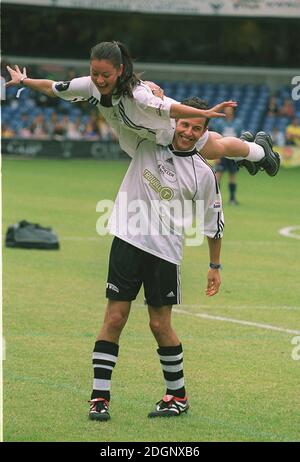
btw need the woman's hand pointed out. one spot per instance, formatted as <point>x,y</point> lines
<point>16,75</point>
<point>156,89</point>
<point>216,110</point>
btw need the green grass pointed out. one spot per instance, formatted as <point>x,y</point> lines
<point>242,382</point>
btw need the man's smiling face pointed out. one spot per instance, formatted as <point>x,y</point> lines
<point>188,132</point>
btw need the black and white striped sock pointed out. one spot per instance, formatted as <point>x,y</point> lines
<point>105,356</point>
<point>171,360</point>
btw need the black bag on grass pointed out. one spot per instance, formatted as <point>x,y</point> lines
<point>31,236</point>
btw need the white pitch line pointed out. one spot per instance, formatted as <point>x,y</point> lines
<point>238,321</point>
<point>227,242</point>
<point>75,238</point>
<point>288,232</point>
<point>246,307</point>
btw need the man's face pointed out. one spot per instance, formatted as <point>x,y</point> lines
<point>187,133</point>
<point>104,75</point>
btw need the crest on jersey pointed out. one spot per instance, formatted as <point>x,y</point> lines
<point>62,86</point>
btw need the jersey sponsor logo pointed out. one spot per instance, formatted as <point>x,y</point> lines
<point>164,192</point>
<point>167,173</point>
<point>217,204</point>
<point>111,286</point>
<point>62,86</point>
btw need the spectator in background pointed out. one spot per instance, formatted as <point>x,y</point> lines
<point>74,129</point>
<point>25,132</point>
<point>105,131</point>
<point>292,133</point>
<point>91,130</point>
<point>51,123</point>
<point>230,126</point>
<point>25,127</point>
<point>7,131</point>
<point>287,109</point>
<point>273,108</point>
<point>278,137</point>
<point>58,128</point>
<point>39,128</point>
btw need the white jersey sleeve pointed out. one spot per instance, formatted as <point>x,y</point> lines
<point>208,192</point>
<point>79,89</point>
<point>153,106</point>
<point>152,112</point>
<point>214,218</point>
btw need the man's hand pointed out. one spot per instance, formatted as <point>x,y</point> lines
<point>213,282</point>
<point>156,90</point>
<point>216,111</point>
<point>16,75</point>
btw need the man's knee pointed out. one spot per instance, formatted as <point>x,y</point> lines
<point>159,326</point>
<point>115,321</point>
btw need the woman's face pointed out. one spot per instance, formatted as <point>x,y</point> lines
<point>105,75</point>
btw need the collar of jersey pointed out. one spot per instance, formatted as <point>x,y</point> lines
<point>190,153</point>
<point>114,101</point>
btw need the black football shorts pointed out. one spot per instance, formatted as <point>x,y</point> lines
<point>130,267</point>
<point>226,165</point>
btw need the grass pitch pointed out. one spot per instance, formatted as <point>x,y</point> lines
<point>242,381</point>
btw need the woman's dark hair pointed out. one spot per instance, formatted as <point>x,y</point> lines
<point>198,103</point>
<point>117,54</point>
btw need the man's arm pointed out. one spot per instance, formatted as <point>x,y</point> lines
<point>180,111</point>
<point>213,275</point>
<point>41,85</point>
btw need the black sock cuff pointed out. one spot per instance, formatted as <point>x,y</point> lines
<point>102,346</point>
<point>170,350</point>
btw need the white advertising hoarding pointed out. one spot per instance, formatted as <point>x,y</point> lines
<point>256,8</point>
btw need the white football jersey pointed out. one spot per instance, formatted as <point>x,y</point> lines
<point>144,115</point>
<point>160,196</point>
